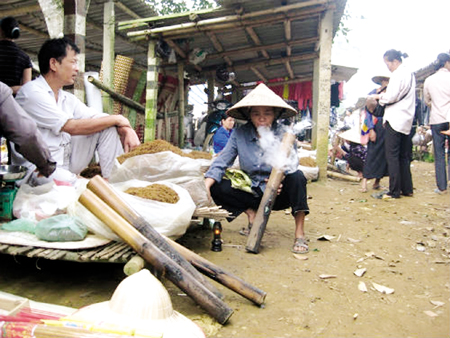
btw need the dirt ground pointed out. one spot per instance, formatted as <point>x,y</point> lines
<point>403,244</point>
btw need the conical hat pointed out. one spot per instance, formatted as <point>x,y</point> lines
<point>379,78</point>
<point>352,135</point>
<point>261,96</point>
<point>142,304</point>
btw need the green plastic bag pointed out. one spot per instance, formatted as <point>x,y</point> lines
<point>21,224</point>
<point>61,228</point>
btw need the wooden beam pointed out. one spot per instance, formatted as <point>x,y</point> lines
<point>177,49</point>
<point>265,63</point>
<point>256,40</point>
<point>33,31</point>
<point>277,45</point>
<point>298,79</point>
<point>21,10</point>
<point>226,26</point>
<point>258,74</point>
<point>126,10</point>
<point>145,21</point>
<point>288,36</point>
<point>218,46</point>
<point>289,69</point>
<point>281,9</point>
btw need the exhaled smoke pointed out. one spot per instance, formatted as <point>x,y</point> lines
<point>271,145</point>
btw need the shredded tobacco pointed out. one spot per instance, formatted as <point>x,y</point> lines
<point>307,162</point>
<point>156,192</point>
<point>158,146</point>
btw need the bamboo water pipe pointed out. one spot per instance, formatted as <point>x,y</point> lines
<point>268,199</point>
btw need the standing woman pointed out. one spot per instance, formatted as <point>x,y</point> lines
<point>399,101</point>
<point>436,91</point>
<point>375,165</point>
<point>15,64</point>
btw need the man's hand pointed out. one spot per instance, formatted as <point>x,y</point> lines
<point>129,138</point>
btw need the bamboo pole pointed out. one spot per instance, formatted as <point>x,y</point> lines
<point>229,18</point>
<point>351,178</point>
<point>110,197</point>
<point>213,271</point>
<point>158,259</point>
<point>105,192</point>
<point>119,97</point>
<point>268,199</point>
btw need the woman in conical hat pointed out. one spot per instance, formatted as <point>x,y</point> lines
<point>261,108</point>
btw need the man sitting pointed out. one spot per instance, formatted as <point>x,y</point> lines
<point>72,131</point>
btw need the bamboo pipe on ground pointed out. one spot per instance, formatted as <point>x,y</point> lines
<point>158,259</point>
<point>107,194</point>
<point>110,197</point>
<point>268,199</point>
<point>213,271</point>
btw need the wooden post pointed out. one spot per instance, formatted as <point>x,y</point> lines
<point>268,199</point>
<point>75,12</point>
<point>211,89</point>
<point>108,54</point>
<point>158,259</point>
<point>181,104</point>
<point>53,14</point>
<point>321,94</point>
<point>151,103</point>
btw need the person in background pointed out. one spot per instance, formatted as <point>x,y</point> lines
<point>18,127</point>
<point>399,101</point>
<point>375,165</point>
<point>261,108</point>
<point>72,130</point>
<point>436,91</point>
<point>352,150</point>
<point>15,64</point>
<point>222,134</point>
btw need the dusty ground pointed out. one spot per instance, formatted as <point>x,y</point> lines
<point>404,245</point>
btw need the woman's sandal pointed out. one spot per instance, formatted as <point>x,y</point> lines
<point>300,243</point>
<point>245,231</point>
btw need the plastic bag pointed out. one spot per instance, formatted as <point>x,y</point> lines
<point>155,167</point>
<point>61,228</point>
<point>23,225</point>
<point>94,225</point>
<point>168,219</point>
<point>37,203</point>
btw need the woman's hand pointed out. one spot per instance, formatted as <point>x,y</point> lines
<point>208,184</point>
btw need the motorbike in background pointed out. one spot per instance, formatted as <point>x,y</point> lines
<point>213,121</point>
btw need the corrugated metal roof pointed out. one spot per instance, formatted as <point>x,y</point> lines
<point>257,45</point>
